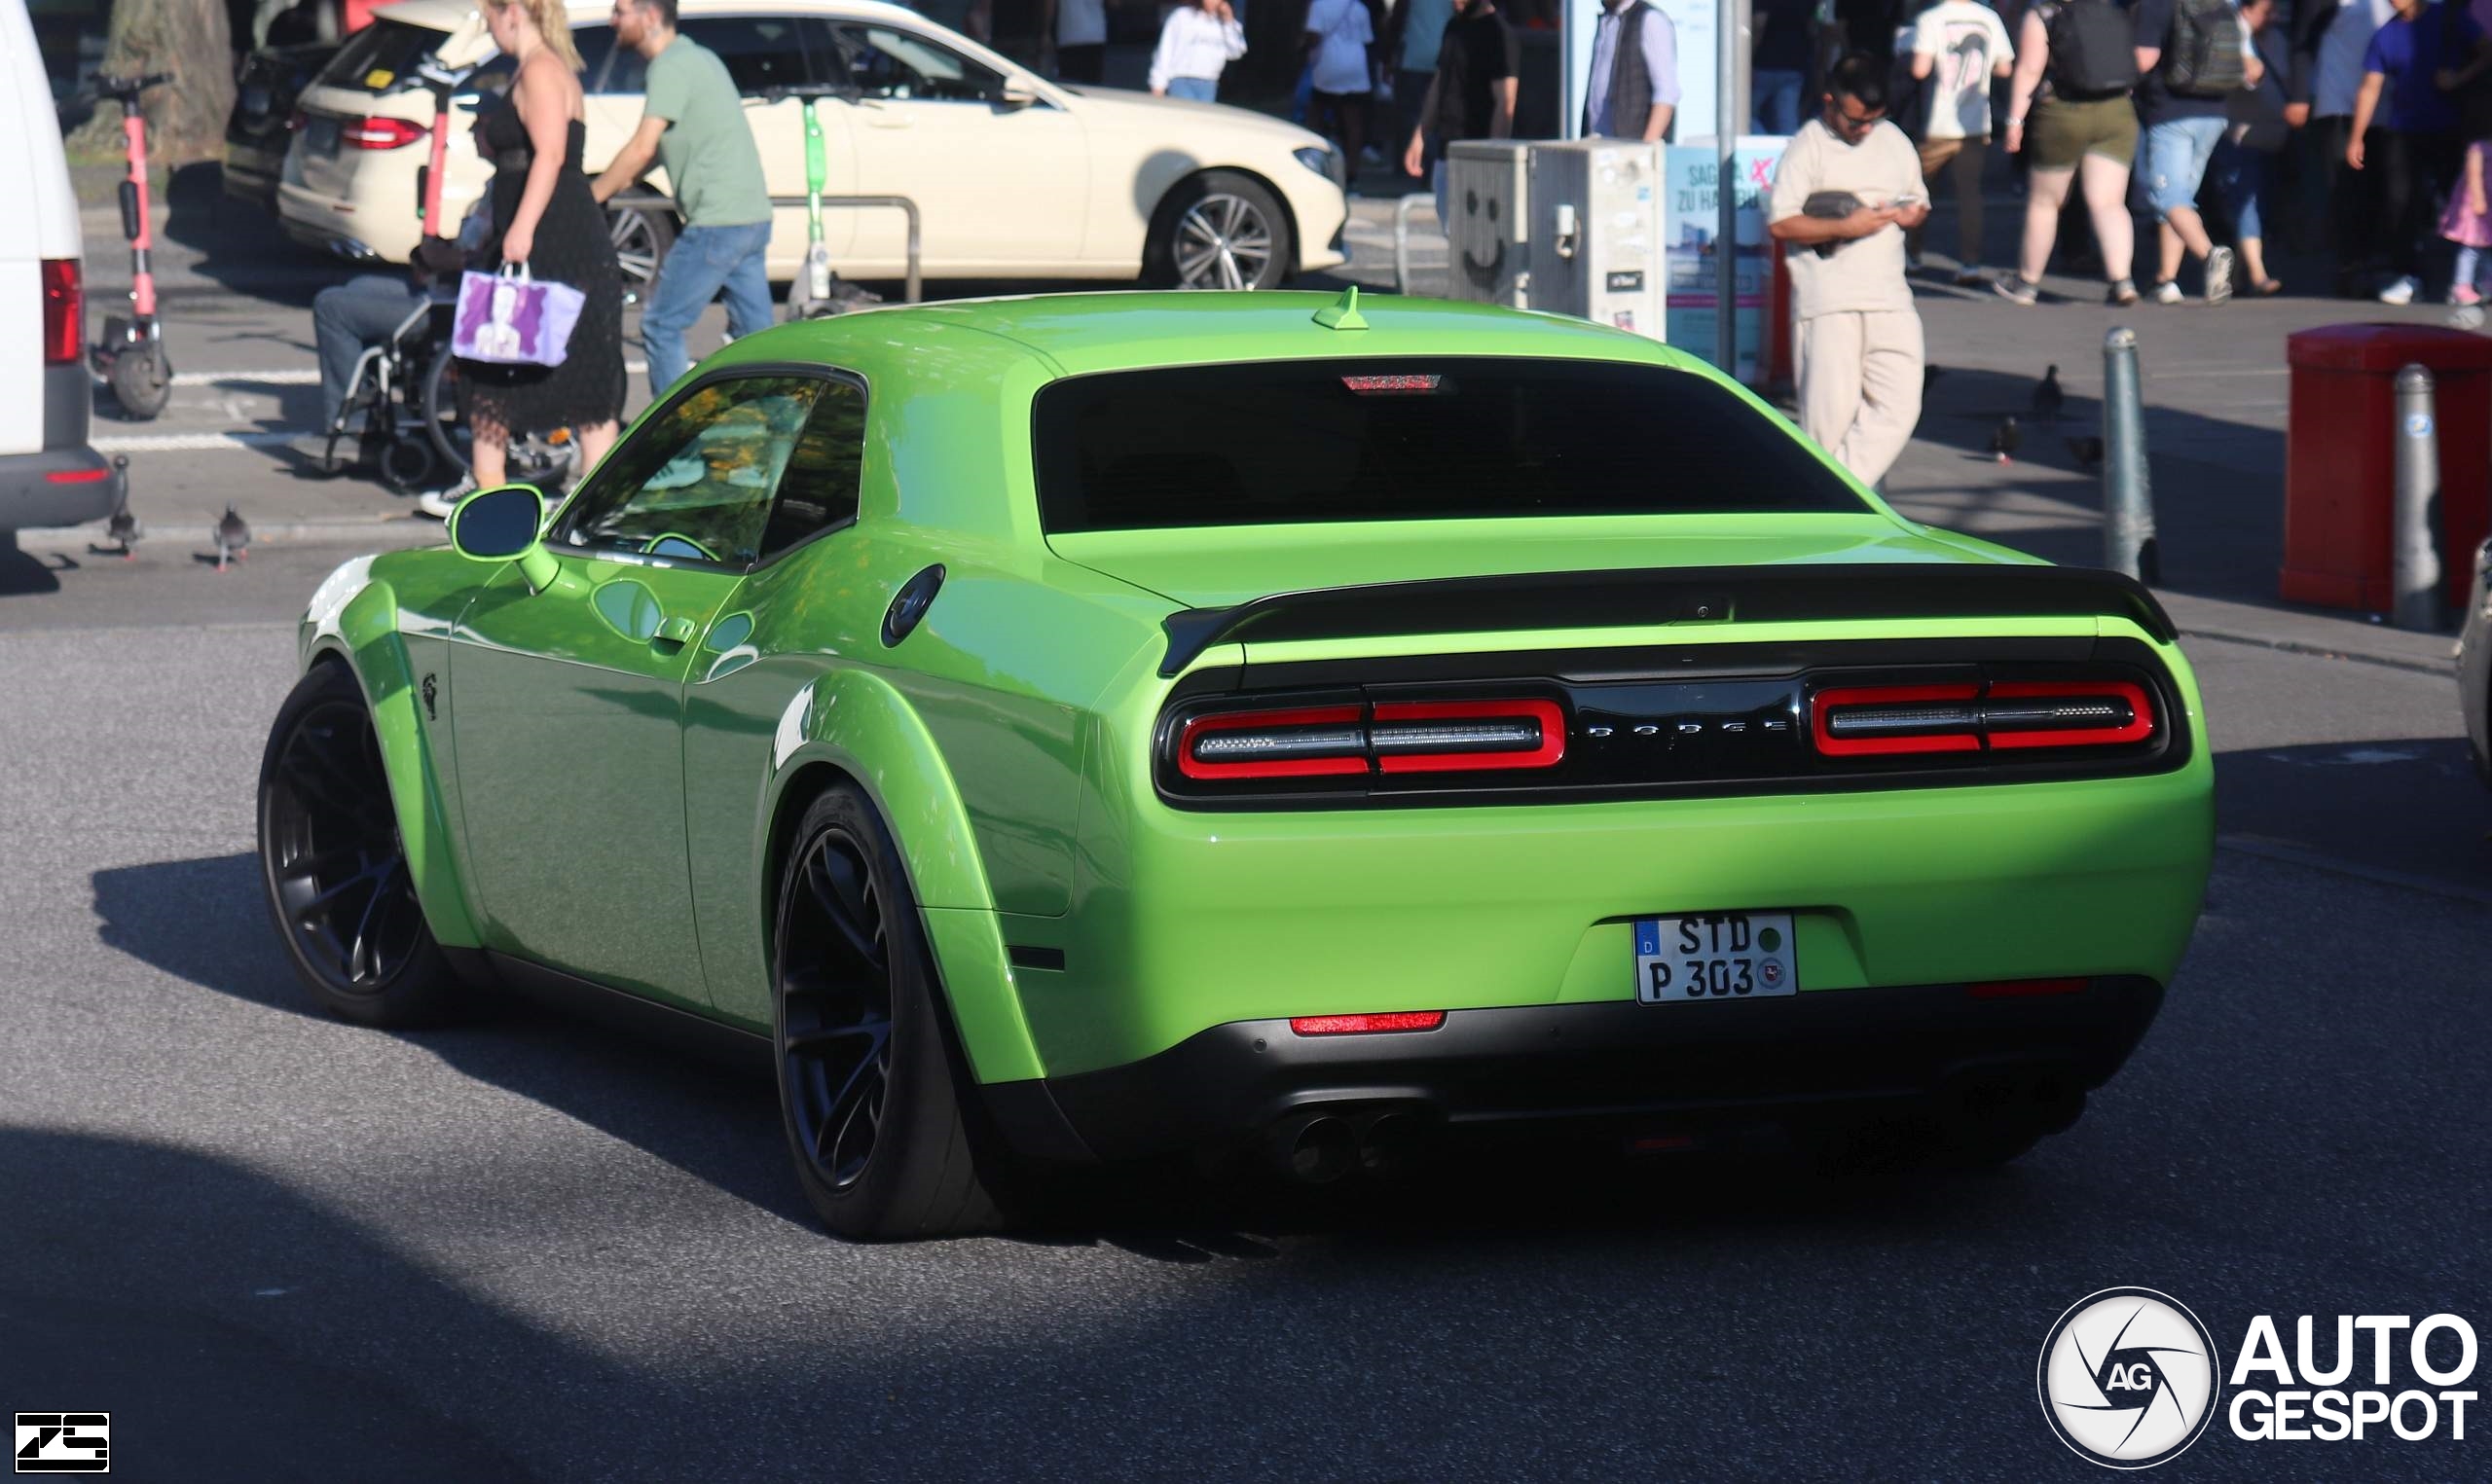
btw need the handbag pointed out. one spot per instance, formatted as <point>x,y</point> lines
<point>509,318</point>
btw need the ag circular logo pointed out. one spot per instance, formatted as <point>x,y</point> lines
<point>2128,1378</point>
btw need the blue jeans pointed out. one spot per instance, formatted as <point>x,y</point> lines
<point>1203,90</point>
<point>1778,100</point>
<point>2172,158</point>
<point>705,259</point>
<point>2240,175</point>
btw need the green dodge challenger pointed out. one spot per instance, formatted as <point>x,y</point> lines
<point>1072,729</point>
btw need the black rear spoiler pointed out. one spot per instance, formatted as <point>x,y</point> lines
<point>1639,596</point>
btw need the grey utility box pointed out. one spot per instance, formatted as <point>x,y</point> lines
<point>1596,249</point>
<point>1487,238</point>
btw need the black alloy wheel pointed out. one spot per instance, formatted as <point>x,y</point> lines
<point>340,890</point>
<point>869,1071</point>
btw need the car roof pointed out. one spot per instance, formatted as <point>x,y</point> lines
<point>1075,334</point>
<point>450,15</point>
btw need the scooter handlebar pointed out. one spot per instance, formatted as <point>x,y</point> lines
<point>128,87</point>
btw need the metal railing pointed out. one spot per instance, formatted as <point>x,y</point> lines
<point>1402,211</point>
<point>906,205</point>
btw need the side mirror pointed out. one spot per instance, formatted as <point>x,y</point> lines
<point>502,524</point>
<point>1017,93</point>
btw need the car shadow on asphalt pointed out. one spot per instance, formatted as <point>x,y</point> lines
<point>203,921</point>
<point>234,1328</point>
<point>23,572</point>
<point>206,922</point>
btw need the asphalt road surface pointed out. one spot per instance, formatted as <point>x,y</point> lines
<point>275,1247</point>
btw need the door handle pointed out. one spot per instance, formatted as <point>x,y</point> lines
<point>672,633</point>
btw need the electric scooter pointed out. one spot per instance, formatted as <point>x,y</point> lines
<point>131,357</point>
<point>817,292</point>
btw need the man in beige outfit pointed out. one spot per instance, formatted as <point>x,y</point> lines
<point>1858,346</point>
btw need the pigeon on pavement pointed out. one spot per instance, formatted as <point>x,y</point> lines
<point>2048,399</point>
<point>233,538</point>
<point>123,528</point>
<point>2006,439</point>
<point>2087,452</point>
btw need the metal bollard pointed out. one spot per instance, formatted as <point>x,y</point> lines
<point>2128,492</point>
<point>1402,211</point>
<point>2414,560</point>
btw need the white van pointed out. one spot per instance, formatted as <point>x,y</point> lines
<point>49,475</point>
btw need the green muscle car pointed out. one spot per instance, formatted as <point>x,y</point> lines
<point>1072,729</point>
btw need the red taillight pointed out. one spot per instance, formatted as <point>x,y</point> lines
<point>77,476</point>
<point>1467,736</point>
<point>382,132</point>
<point>65,312</point>
<point>1361,1024</point>
<point>1868,720</point>
<point>2046,713</point>
<point>1309,742</point>
<point>1394,737</point>
<point>2024,989</point>
<point>1865,720</point>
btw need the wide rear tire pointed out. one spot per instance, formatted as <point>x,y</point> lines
<point>870,1073</point>
<point>334,868</point>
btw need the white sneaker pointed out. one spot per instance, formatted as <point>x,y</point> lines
<point>439,503</point>
<point>2166,292</point>
<point>2402,291</point>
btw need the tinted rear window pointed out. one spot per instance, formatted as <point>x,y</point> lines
<point>1410,440</point>
<point>381,57</point>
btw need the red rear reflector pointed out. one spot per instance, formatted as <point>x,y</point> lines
<point>382,132</point>
<point>1389,384</point>
<point>65,312</point>
<point>1872,720</point>
<point>1455,735</point>
<point>1360,1024</point>
<point>2024,989</point>
<point>1309,742</point>
<point>76,476</point>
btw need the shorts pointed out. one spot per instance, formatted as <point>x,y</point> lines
<point>1936,153</point>
<point>2173,160</point>
<point>2061,133</point>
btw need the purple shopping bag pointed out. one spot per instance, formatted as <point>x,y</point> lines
<point>510,319</point>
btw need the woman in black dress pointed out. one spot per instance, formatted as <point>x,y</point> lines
<point>549,221</point>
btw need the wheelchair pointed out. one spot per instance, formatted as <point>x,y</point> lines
<point>402,413</point>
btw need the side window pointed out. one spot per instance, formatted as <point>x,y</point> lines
<point>605,67</point>
<point>887,62</point>
<point>697,482</point>
<point>761,52</point>
<point>819,490</point>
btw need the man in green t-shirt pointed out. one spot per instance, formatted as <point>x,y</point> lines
<point>693,125</point>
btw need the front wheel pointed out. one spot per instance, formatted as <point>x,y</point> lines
<point>643,235</point>
<point>869,1078</point>
<point>1219,230</point>
<point>338,888</point>
<point>142,378</point>
<point>548,460</point>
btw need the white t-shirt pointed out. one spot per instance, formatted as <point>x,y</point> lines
<point>1865,275</point>
<point>1963,40</point>
<point>1341,51</point>
<point>1081,23</point>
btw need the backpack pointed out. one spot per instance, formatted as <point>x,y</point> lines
<point>2093,50</point>
<point>2203,60</point>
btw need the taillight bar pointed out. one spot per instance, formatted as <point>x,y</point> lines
<point>1868,720</point>
<point>1366,1025</point>
<point>382,132</point>
<point>1391,737</point>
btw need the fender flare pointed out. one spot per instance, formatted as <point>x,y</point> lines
<point>856,723</point>
<point>362,633</point>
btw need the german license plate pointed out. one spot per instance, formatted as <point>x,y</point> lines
<point>1719,955</point>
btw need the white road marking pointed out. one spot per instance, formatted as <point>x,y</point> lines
<point>294,377</point>
<point>188,443</point>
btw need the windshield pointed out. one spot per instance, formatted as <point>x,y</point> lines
<point>1411,440</point>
